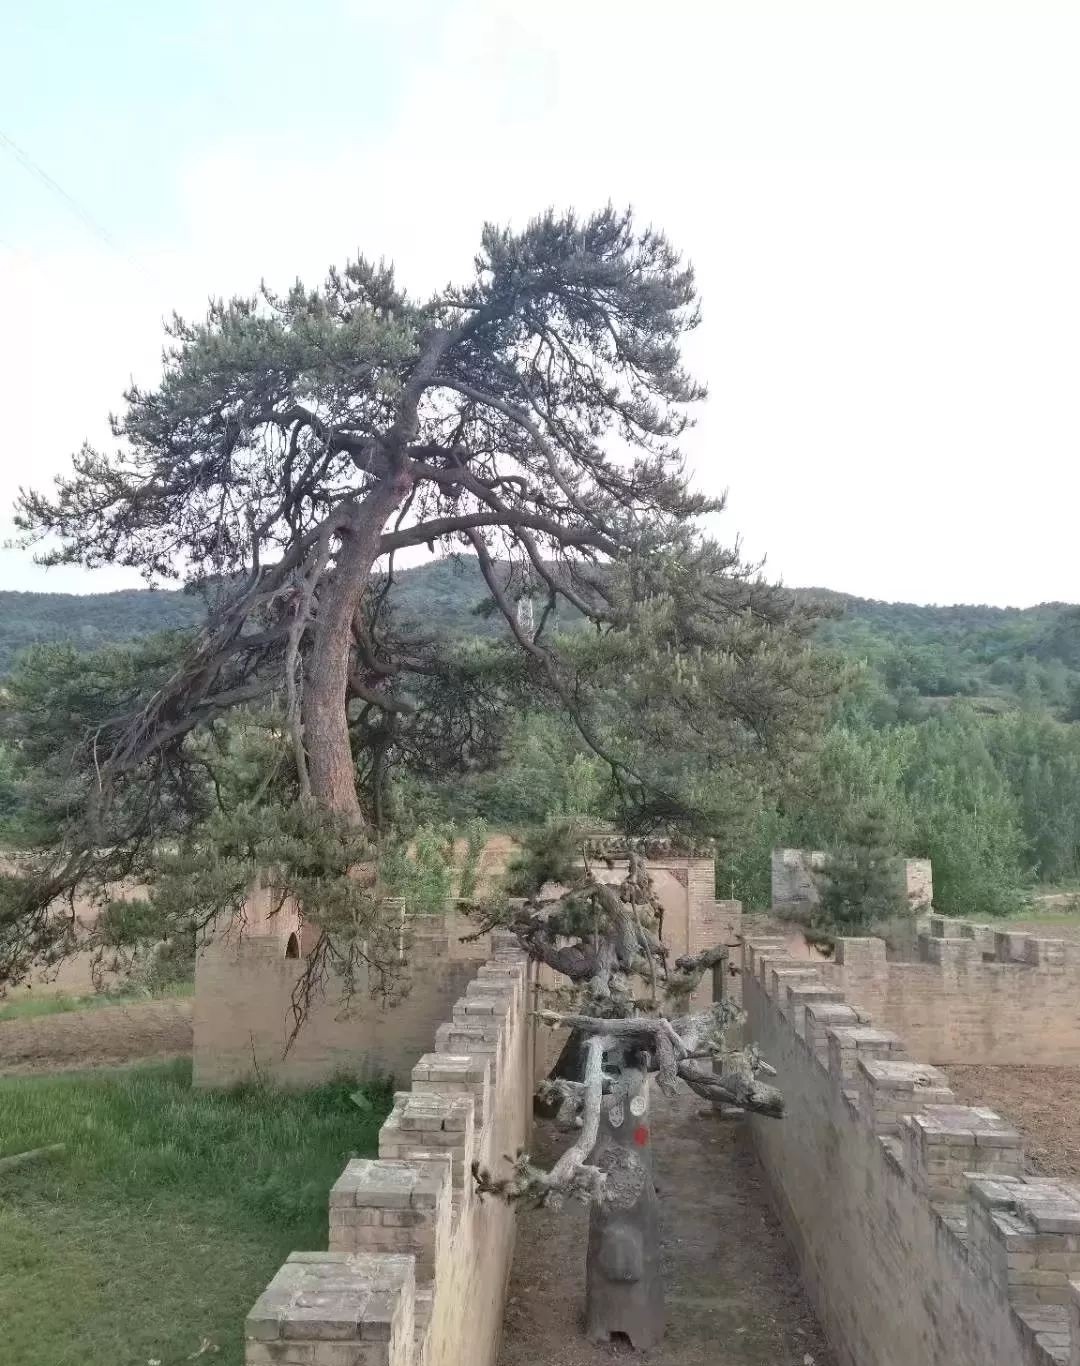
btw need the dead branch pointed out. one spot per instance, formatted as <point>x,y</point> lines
<point>731,1088</point>
<point>592,1094</point>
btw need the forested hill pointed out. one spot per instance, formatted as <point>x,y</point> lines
<point>88,620</point>
<point>995,656</point>
<point>998,657</point>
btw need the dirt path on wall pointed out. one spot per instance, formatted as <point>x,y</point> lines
<point>733,1293</point>
<point>107,1037</point>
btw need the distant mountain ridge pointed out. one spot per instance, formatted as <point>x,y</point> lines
<point>88,620</point>
<point>964,649</point>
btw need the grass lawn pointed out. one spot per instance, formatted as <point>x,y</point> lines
<point>25,1007</point>
<point>152,1235</point>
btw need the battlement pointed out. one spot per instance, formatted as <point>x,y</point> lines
<point>912,1216</point>
<point>417,1267</point>
<point>974,994</point>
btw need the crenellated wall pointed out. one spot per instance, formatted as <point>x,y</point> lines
<point>975,995</point>
<point>417,1267</point>
<point>921,1240</point>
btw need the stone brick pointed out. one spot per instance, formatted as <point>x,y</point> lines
<point>333,1298</point>
<point>279,1353</point>
<point>802,994</point>
<point>943,1144</point>
<point>890,1090</point>
<point>450,1073</point>
<point>819,1017</point>
<point>429,1119</point>
<point>847,1044</point>
<point>1027,1232</point>
<point>411,1204</point>
<point>782,976</point>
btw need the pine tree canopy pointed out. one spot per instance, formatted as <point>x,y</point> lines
<point>298,442</point>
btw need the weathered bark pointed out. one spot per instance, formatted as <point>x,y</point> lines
<point>624,1290</point>
<point>325,717</point>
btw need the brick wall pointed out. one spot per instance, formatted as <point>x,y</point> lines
<point>243,1005</point>
<point>244,987</point>
<point>418,1264</point>
<point>973,996</point>
<point>920,1240</point>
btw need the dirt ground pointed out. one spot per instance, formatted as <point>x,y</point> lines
<point>107,1037</point>
<point>1043,1103</point>
<point>1048,927</point>
<point>733,1292</point>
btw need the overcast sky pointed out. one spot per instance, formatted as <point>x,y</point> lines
<point>882,201</point>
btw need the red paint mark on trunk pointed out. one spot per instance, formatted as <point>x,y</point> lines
<point>641,1135</point>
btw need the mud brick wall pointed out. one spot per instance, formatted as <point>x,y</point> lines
<point>243,1005</point>
<point>973,996</point>
<point>417,1267</point>
<point>920,1239</point>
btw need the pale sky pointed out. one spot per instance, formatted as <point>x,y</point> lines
<point>882,201</point>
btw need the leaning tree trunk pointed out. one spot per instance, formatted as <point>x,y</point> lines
<point>624,1292</point>
<point>325,715</point>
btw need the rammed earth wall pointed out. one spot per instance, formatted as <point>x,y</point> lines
<point>243,1010</point>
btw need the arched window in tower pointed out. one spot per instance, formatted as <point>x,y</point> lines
<point>292,948</point>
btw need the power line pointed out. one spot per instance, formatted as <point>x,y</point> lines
<point>88,220</point>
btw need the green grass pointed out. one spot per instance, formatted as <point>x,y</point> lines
<point>26,1007</point>
<point>166,1215</point>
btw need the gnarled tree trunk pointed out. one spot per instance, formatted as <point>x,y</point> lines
<point>325,715</point>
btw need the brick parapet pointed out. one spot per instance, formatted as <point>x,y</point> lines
<point>942,1184</point>
<point>245,983</point>
<point>973,995</point>
<point>417,1267</point>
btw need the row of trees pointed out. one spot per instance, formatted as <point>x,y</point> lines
<point>994,801</point>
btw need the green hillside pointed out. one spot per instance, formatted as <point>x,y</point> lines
<point>90,619</point>
<point>958,734</point>
<point>998,657</point>
<point>995,656</point>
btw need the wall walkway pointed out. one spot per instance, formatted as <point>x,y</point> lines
<point>920,1239</point>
